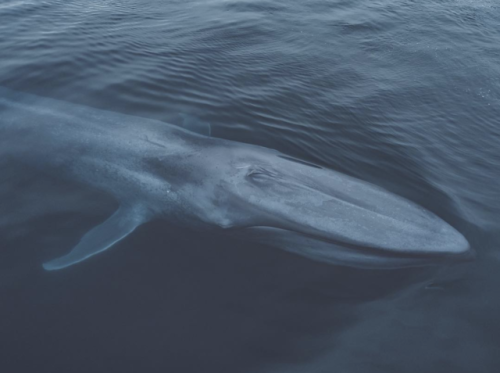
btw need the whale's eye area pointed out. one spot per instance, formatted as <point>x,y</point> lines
<point>260,174</point>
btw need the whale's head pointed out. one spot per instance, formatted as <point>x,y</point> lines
<point>324,215</point>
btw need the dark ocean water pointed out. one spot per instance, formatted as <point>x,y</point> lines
<point>404,94</point>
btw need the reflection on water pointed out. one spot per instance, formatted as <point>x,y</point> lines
<point>402,94</point>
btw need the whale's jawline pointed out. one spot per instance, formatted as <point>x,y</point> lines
<point>343,253</point>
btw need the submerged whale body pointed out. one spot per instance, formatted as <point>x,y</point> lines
<point>159,171</point>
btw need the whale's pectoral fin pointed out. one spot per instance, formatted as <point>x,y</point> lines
<point>194,124</point>
<point>118,226</point>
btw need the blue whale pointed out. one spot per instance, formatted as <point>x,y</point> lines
<point>159,171</point>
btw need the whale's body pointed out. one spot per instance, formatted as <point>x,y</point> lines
<point>156,170</point>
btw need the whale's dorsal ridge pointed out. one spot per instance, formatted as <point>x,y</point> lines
<point>194,124</point>
<point>102,237</point>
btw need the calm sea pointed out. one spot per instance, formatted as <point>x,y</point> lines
<point>404,94</point>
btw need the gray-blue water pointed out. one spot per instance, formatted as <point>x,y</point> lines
<point>404,94</point>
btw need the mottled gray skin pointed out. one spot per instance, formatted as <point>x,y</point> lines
<point>156,170</point>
